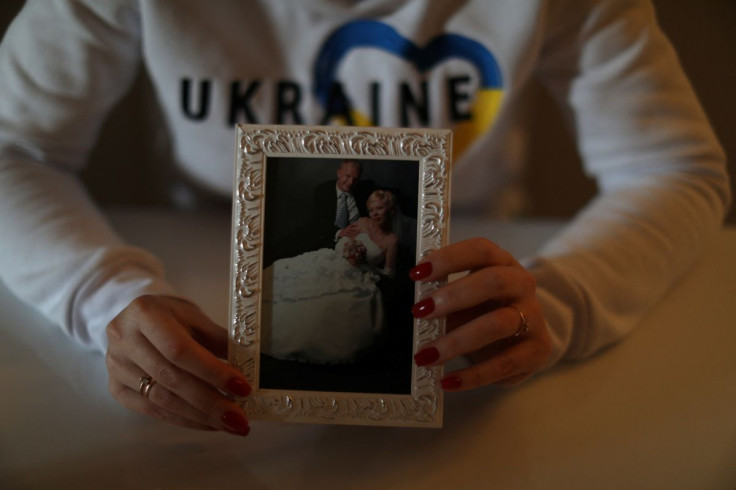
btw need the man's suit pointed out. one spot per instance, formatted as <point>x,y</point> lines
<point>323,229</point>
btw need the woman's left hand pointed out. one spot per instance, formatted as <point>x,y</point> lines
<point>493,316</point>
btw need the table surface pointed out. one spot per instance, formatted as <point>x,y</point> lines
<point>656,411</point>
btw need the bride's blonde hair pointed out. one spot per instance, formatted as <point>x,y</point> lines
<point>385,196</point>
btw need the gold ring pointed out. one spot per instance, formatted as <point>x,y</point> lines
<point>523,323</point>
<point>147,383</point>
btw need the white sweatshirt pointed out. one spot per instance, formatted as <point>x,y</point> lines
<point>459,65</point>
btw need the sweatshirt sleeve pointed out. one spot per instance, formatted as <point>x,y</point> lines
<point>663,186</point>
<point>63,65</point>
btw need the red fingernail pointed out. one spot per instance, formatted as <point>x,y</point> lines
<point>236,423</point>
<point>426,356</point>
<point>237,386</point>
<point>421,271</point>
<point>451,383</point>
<point>423,308</point>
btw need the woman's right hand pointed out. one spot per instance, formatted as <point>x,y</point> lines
<point>176,344</point>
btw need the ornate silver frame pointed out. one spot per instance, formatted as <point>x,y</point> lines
<point>431,149</point>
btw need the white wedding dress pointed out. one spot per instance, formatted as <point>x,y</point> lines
<point>319,308</point>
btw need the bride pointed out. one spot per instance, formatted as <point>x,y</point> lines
<point>325,306</point>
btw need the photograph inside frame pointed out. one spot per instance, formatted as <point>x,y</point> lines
<point>339,240</point>
<point>327,223</point>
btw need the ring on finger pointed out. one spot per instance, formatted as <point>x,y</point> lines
<point>523,322</point>
<point>146,383</point>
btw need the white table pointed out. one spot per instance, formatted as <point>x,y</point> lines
<point>656,411</point>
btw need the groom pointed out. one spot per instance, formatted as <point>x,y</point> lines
<point>330,218</point>
<point>338,203</point>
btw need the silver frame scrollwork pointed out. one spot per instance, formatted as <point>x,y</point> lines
<point>432,149</point>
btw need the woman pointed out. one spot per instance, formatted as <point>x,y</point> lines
<point>334,290</point>
<point>379,227</point>
<point>641,133</point>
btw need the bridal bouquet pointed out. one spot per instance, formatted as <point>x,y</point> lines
<point>354,252</point>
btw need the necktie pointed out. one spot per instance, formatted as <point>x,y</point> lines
<point>341,220</point>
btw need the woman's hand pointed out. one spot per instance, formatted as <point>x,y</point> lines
<point>176,344</point>
<point>493,316</point>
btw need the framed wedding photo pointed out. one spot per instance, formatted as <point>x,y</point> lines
<point>327,223</point>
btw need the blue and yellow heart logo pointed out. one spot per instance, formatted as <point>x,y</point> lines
<point>373,35</point>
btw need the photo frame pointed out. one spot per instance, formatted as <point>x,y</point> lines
<point>320,314</point>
